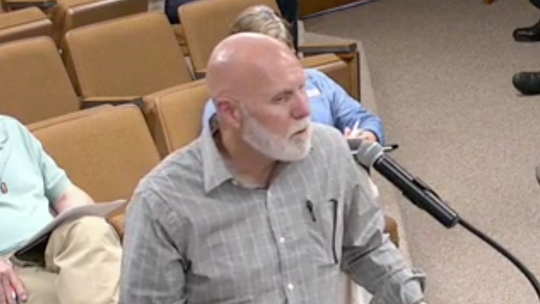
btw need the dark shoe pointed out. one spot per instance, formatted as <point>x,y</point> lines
<point>528,83</point>
<point>528,34</point>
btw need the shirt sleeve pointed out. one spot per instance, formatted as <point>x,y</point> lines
<point>346,111</point>
<point>370,258</point>
<point>153,268</point>
<point>55,179</point>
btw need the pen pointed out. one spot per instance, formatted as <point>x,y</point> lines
<point>309,206</point>
<point>390,147</point>
<point>356,130</point>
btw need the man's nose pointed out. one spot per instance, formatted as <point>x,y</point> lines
<point>300,107</point>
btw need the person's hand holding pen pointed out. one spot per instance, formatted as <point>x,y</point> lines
<point>357,132</point>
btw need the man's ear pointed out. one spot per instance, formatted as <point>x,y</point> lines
<point>229,112</point>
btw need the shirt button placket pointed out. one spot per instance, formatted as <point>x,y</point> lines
<point>282,245</point>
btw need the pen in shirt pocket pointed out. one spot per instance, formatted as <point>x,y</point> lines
<point>309,206</point>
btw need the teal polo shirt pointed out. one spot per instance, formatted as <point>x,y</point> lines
<point>33,181</point>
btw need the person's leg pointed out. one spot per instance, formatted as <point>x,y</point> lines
<point>289,11</point>
<point>39,285</point>
<point>86,255</point>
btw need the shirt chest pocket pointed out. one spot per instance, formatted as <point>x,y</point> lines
<point>324,227</point>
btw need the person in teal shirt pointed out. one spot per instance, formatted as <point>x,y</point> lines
<point>33,189</point>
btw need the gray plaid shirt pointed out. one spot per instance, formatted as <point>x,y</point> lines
<point>194,235</point>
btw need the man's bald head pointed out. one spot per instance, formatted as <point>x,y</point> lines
<point>245,61</point>
<point>257,85</point>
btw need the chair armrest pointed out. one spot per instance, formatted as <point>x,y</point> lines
<point>319,48</point>
<point>89,102</point>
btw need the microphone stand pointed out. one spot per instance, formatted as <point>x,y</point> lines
<point>449,218</point>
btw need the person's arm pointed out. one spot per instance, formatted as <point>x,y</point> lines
<point>153,268</point>
<point>60,192</point>
<point>369,257</point>
<point>72,196</point>
<point>346,111</point>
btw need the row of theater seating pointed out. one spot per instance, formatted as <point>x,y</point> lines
<point>196,35</point>
<point>115,61</point>
<point>62,16</point>
<point>107,149</point>
<point>128,57</point>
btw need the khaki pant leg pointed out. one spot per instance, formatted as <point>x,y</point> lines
<point>39,285</point>
<point>86,253</point>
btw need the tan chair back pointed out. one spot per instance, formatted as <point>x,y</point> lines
<point>34,84</point>
<point>105,150</point>
<point>129,56</point>
<point>70,14</point>
<point>24,23</point>
<point>174,115</point>
<point>206,23</point>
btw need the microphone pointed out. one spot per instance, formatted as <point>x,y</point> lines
<point>371,154</point>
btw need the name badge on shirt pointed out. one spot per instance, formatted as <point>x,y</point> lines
<point>313,92</point>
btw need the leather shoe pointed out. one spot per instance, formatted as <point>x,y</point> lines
<point>528,34</point>
<point>528,83</point>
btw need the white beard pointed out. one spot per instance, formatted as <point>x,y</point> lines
<point>285,149</point>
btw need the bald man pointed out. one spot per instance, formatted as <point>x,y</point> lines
<point>264,207</point>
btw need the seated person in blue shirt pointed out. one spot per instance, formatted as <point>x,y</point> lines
<point>330,104</point>
<point>80,261</point>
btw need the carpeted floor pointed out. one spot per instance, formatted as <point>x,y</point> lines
<point>441,76</point>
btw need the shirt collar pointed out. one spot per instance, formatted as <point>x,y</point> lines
<point>215,170</point>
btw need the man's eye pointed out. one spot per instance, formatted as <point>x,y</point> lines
<point>281,99</point>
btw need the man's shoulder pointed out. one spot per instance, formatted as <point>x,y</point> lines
<point>328,137</point>
<point>331,151</point>
<point>176,178</point>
